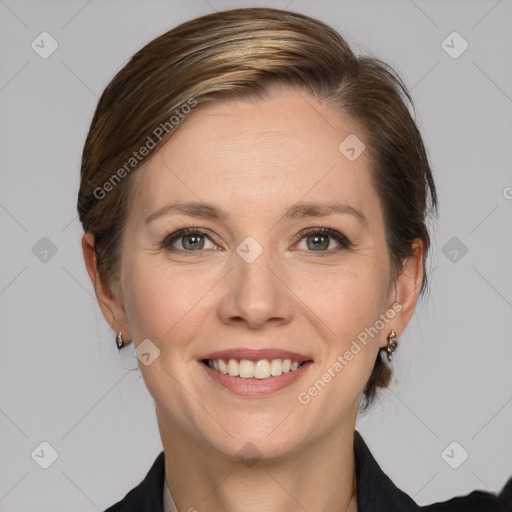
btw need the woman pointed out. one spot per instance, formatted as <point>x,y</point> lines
<point>254,200</point>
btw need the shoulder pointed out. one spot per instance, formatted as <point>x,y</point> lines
<point>376,491</point>
<point>477,501</point>
<point>148,495</point>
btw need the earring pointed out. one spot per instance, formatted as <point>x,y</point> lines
<point>127,358</point>
<point>119,341</point>
<point>392,344</point>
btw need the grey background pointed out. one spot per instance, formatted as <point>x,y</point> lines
<point>62,380</point>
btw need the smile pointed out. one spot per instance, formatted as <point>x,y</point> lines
<point>247,369</point>
<point>251,385</point>
<point>254,373</point>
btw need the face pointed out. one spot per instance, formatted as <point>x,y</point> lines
<point>255,272</point>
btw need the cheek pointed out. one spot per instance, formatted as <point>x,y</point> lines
<point>347,299</point>
<point>163,300</point>
<point>150,302</point>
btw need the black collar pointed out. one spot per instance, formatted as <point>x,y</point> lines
<point>375,491</point>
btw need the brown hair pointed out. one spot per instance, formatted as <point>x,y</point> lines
<point>243,53</point>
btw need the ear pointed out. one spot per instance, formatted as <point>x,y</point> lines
<point>407,287</point>
<point>108,294</point>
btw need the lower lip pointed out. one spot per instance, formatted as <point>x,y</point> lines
<point>256,387</point>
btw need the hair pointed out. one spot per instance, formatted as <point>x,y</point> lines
<point>245,54</point>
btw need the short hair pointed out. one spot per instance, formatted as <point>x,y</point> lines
<point>245,54</point>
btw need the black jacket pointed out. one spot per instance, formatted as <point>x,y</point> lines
<point>375,491</point>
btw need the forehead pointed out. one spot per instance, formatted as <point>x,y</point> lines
<point>270,153</point>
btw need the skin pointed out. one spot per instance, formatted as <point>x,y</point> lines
<point>255,160</point>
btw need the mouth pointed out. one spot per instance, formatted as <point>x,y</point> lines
<point>255,364</point>
<point>255,373</point>
<point>247,369</point>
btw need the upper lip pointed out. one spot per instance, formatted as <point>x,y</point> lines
<point>256,355</point>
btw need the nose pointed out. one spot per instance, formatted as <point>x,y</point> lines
<point>256,294</point>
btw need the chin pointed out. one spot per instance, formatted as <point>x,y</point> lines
<point>252,444</point>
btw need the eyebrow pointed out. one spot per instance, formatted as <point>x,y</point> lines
<point>299,210</point>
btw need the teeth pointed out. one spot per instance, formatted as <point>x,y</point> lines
<point>245,369</point>
<point>233,368</point>
<point>223,367</point>
<point>262,369</point>
<point>276,367</point>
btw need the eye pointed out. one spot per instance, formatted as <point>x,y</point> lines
<point>191,240</point>
<point>319,239</point>
<point>194,240</point>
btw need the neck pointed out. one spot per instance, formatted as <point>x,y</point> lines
<point>319,476</point>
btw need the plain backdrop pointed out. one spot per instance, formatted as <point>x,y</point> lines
<point>62,381</point>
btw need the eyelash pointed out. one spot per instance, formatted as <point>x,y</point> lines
<point>344,242</point>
